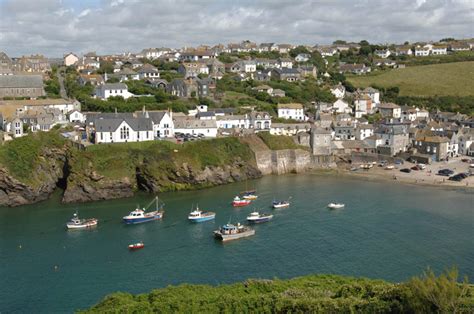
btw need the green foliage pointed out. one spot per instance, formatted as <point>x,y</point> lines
<point>276,142</point>
<point>52,87</point>
<point>309,294</point>
<point>443,294</point>
<point>297,50</point>
<point>21,156</point>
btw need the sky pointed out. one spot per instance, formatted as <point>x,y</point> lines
<point>55,27</point>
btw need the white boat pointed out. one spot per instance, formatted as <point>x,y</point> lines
<point>77,223</point>
<point>140,215</point>
<point>200,216</point>
<point>230,232</point>
<point>336,205</point>
<point>281,204</point>
<point>256,217</point>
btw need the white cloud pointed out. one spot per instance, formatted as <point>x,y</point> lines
<point>53,27</point>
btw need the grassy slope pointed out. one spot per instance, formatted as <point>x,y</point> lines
<point>120,160</point>
<point>21,156</point>
<point>275,142</point>
<point>309,294</point>
<point>448,79</point>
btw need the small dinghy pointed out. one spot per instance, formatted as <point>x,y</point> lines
<point>136,246</point>
<point>77,223</point>
<point>336,205</point>
<point>281,204</point>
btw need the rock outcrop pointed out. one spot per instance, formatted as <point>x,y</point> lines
<point>39,186</point>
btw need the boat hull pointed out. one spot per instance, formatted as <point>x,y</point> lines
<point>87,225</point>
<point>276,206</point>
<point>259,220</point>
<point>134,247</point>
<point>240,203</point>
<point>139,220</point>
<point>230,237</point>
<point>201,219</point>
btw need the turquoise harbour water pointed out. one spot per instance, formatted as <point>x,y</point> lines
<point>387,230</point>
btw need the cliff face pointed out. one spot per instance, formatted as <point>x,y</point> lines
<point>85,184</point>
<point>43,180</point>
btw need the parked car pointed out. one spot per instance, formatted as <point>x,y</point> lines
<point>383,163</point>
<point>445,172</point>
<point>406,170</point>
<point>416,168</point>
<point>421,166</point>
<point>399,162</point>
<point>459,177</point>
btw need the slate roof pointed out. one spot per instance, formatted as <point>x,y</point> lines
<point>21,81</point>
<point>111,125</point>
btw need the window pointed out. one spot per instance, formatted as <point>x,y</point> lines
<point>428,148</point>
<point>124,133</point>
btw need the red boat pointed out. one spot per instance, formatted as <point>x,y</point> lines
<point>238,202</point>
<point>136,246</point>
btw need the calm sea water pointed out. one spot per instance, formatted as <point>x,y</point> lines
<point>387,230</point>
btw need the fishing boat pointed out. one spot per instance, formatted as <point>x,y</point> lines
<point>249,195</point>
<point>136,246</point>
<point>256,217</point>
<point>239,202</point>
<point>281,204</point>
<point>141,215</point>
<point>200,216</point>
<point>77,223</point>
<point>336,205</point>
<point>230,232</point>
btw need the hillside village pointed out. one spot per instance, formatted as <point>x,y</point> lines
<point>236,89</point>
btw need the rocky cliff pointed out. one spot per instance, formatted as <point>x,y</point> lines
<point>43,179</point>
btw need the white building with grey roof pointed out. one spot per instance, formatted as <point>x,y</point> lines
<point>112,90</point>
<point>123,130</point>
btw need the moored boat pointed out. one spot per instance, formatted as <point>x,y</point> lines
<point>336,205</point>
<point>136,246</point>
<point>230,232</point>
<point>249,195</point>
<point>200,216</point>
<point>239,202</point>
<point>281,204</point>
<point>256,217</point>
<point>140,215</point>
<point>77,223</point>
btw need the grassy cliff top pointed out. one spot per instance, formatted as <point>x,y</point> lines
<point>279,142</point>
<point>120,160</point>
<point>21,156</point>
<point>309,294</point>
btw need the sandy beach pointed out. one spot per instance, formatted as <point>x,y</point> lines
<point>427,176</point>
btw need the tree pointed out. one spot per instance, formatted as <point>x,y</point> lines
<point>298,50</point>
<point>441,294</point>
<point>339,42</point>
<point>364,43</point>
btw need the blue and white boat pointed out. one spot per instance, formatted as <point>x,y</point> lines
<point>141,215</point>
<point>200,216</point>
<point>256,217</point>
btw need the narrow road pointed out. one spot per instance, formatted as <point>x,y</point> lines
<point>62,90</point>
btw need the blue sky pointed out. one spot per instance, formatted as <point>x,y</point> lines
<point>54,27</point>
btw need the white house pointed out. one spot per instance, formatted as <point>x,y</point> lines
<point>113,89</point>
<point>340,106</point>
<point>439,50</point>
<point>363,105</point>
<point>339,91</point>
<point>148,71</point>
<point>465,140</point>
<point>260,121</point>
<point>163,125</point>
<point>193,126</point>
<point>293,111</point>
<point>385,53</point>
<point>77,116</point>
<point>70,59</point>
<point>364,131</point>
<point>289,129</point>
<point>373,93</point>
<point>302,57</point>
<point>422,51</point>
<point>123,130</point>
<point>233,122</point>
<point>286,63</point>
<point>390,110</point>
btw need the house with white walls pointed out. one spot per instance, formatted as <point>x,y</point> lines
<point>113,89</point>
<point>121,130</point>
<point>293,111</point>
<point>193,126</point>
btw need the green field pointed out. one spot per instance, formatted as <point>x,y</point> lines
<point>447,79</point>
